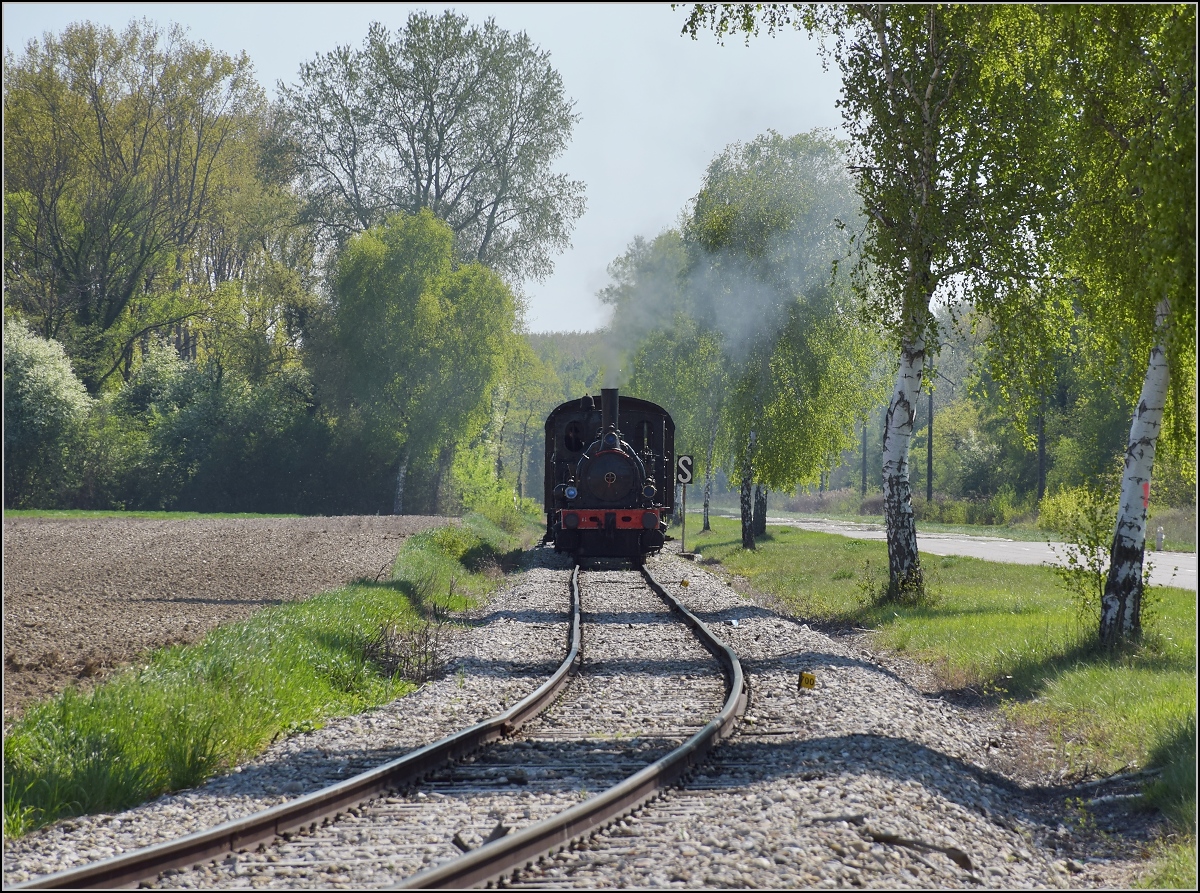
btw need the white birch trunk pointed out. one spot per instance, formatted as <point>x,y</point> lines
<point>1121,606</point>
<point>904,565</point>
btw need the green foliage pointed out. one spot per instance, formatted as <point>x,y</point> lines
<point>1084,518</point>
<point>1126,77</point>
<point>420,343</point>
<point>45,408</point>
<point>484,494</point>
<point>113,145</point>
<point>733,325</point>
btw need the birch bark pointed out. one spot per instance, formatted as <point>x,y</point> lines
<point>1121,606</point>
<point>904,563</point>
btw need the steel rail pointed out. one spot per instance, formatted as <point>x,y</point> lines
<point>128,869</point>
<point>496,859</point>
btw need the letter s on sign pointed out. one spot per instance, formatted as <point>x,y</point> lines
<point>683,470</point>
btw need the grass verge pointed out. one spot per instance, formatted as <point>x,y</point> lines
<point>192,711</point>
<point>1011,632</point>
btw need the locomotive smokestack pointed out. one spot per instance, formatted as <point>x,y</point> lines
<point>608,408</point>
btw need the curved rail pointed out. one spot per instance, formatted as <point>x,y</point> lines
<point>495,859</point>
<point>130,868</point>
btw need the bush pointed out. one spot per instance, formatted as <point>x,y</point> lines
<point>1085,518</point>
<point>45,407</point>
<point>495,499</point>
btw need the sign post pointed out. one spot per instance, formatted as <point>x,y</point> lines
<point>683,476</point>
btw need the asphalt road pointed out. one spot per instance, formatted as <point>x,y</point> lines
<point>1166,568</point>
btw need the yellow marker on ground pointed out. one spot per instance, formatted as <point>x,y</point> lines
<point>683,582</point>
<point>807,680</point>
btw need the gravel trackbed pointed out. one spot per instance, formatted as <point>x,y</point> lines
<point>83,596</point>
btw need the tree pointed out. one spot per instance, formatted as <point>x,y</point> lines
<point>461,119</point>
<point>532,390</point>
<point>420,342</point>
<point>1128,83</point>
<point>110,145</point>
<point>765,236</point>
<point>934,111</point>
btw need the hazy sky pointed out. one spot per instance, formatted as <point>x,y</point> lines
<point>654,106</point>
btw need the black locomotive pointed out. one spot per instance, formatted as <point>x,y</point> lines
<point>609,476</point>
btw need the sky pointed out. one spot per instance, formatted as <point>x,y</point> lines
<point>654,107</point>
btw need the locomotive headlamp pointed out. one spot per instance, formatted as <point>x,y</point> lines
<point>650,520</point>
<point>648,491</point>
<point>571,492</point>
<point>570,520</point>
<point>610,440</point>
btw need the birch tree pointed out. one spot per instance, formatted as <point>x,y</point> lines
<point>1129,87</point>
<point>766,233</point>
<point>931,143</point>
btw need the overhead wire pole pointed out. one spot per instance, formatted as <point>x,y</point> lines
<point>929,455</point>
<point>929,438</point>
<point>864,458</point>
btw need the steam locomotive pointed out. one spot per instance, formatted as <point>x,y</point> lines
<point>609,476</point>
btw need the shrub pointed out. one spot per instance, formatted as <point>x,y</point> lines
<point>1084,517</point>
<point>45,407</point>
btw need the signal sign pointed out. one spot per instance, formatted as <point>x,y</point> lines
<point>683,470</point>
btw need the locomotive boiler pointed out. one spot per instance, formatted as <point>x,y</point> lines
<point>609,476</point>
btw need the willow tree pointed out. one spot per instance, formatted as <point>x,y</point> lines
<point>422,341</point>
<point>766,232</point>
<point>932,132</point>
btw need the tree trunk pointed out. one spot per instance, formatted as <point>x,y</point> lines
<point>444,461</point>
<point>708,474</point>
<point>521,460</point>
<point>401,473</point>
<point>904,561</point>
<point>760,510</point>
<point>1121,606</point>
<point>747,495</point>
<point>500,441</point>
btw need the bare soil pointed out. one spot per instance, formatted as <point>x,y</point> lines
<point>85,596</point>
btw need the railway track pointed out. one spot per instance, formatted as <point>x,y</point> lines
<point>652,691</point>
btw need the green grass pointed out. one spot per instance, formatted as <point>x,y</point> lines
<point>1009,631</point>
<point>192,711</point>
<point>1179,524</point>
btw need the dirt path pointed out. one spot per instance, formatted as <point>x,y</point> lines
<point>82,596</point>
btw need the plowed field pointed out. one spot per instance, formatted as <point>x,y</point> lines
<point>84,596</point>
